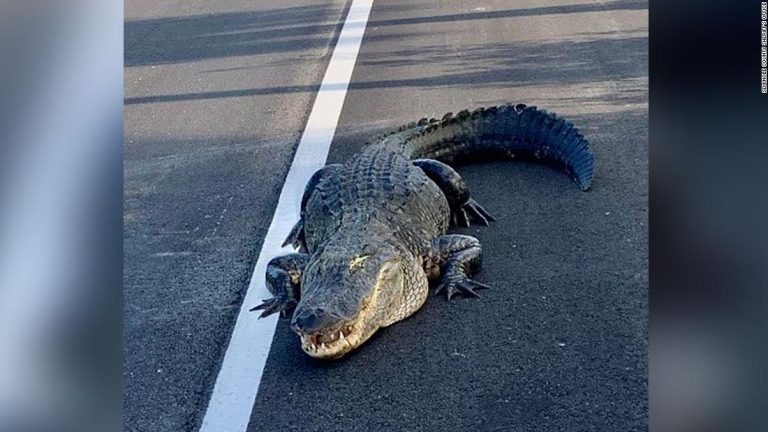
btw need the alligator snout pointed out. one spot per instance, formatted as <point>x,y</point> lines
<point>314,320</point>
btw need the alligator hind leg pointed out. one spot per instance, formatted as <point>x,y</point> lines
<point>284,282</point>
<point>463,207</point>
<point>296,236</point>
<point>452,259</point>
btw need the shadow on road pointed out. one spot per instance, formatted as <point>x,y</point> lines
<point>199,37</point>
<point>511,13</point>
<point>501,65</point>
<point>185,39</point>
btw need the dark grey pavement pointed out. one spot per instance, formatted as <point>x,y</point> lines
<point>215,105</point>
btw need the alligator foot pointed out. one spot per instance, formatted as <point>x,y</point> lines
<point>284,282</point>
<point>463,208</point>
<point>474,211</point>
<point>284,305</point>
<point>451,261</point>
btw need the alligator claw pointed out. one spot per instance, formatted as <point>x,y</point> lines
<point>465,286</point>
<point>296,236</point>
<point>463,217</point>
<point>468,287</point>
<point>449,289</point>
<point>471,211</point>
<point>275,304</point>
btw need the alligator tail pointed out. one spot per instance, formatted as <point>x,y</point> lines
<point>506,130</point>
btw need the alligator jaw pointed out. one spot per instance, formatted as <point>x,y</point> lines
<point>328,344</point>
<point>335,343</point>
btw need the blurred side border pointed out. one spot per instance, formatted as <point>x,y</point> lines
<point>708,207</point>
<point>61,91</point>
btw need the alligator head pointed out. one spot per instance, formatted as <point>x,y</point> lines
<point>345,298</point>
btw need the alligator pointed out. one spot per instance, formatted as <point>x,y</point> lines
<point>372,233</point>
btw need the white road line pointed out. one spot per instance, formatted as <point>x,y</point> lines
<point>234,393</point>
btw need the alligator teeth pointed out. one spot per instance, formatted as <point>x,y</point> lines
<point>322,345</point>
<point>341,335</point>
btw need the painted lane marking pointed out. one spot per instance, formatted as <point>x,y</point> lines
<point>234,393</point>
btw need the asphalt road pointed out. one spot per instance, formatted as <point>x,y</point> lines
<point>216,98</point>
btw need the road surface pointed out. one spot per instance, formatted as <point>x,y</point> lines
<point>217,95</point>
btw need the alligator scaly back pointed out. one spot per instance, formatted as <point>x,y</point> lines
<point>506,130</point>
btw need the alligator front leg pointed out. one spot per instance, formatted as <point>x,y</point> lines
<point>452,259</point>
<point>284,282</point>
<point>296,236</point>
<point>463,207</point>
